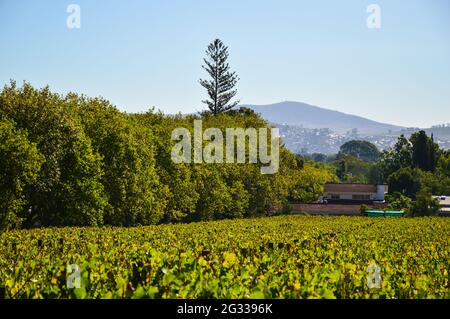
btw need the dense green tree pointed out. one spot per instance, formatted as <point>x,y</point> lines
<point>239,200</point>
<point>396,158</point>
<point>20,163</point>
<point>442,174</point>
<point>398,201</point>
<point>408,181</point>
<point>434,183</point>
<point>74,160</point>
<point>341,169</point>
<point>363,150</point>
<point>375,174</point>
<point>135,193</point>
<point>425,152</point>
<point>310,183</point>
<point>182,195</point>
<point>424,204</point>
<point>220,86</point>
<point>412,164</point>
<point>443,167</point>
<point>351,169</point>
<point>405,181</point>
<point>67,190</point>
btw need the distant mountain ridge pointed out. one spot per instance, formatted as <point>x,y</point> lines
<point>315,117</point>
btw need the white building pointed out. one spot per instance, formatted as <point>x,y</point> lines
<point>343,192</point>
<point>444,202</point>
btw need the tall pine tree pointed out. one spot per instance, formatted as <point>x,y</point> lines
<point>425,152</point>
<point>221,85</point>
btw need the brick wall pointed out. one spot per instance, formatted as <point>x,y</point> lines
<point>334,209</point>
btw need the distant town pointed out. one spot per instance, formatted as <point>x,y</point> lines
<point>309,129</point>
<point>305,141</point>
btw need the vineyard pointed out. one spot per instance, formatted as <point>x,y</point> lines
<point>273,257</point>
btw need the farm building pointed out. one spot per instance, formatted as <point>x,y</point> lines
<point>354,193</point>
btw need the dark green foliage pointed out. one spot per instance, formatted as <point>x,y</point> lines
<point>443,167</point>
<point>135,194</point>
<point>398,157</point>
<point>425,204</point>
<point>67,190</point>
<point>413,165</point>
<point>419,151</point>
<point>406,181</point>
<point>442,174</point>
<point>397,201</point>
<point>375,174</point>
<point>351,169</point>
<point>220,87</point>
<point>363,150</point>
<point>424,151</point>
<point>409,181</point>
<point>341,169</point>
<point>20,161</point>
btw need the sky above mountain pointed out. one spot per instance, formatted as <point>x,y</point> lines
<point>140,54</point>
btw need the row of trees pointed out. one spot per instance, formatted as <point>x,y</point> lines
<point>416,168</point>
<point>73,160</point>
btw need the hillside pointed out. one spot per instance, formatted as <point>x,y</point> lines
<point>314,117</point>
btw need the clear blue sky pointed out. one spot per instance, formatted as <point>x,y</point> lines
<point>140,54</point>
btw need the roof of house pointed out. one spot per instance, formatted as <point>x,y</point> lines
<point>350,188</point>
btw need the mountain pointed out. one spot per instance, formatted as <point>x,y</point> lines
<point>314,117</point>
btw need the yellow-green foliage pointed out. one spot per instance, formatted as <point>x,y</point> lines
<point>78,161</point>
<point>95,165</point>
<point>310,182</point>
<point>277,257</point>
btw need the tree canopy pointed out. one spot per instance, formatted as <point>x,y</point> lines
<point>363,150</point>
<point>75,160</point>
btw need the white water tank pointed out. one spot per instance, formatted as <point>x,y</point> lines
<point>381,190</point>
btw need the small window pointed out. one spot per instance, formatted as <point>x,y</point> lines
<point>361,197</point>
<point>335,196</point>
